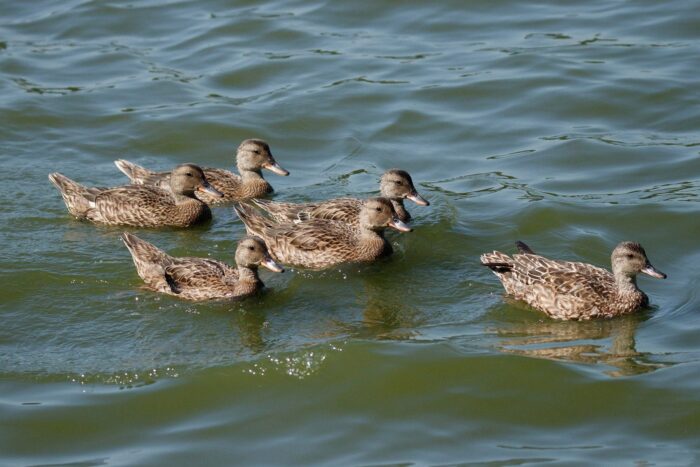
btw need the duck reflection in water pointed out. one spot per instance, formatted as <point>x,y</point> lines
<point>385,315</point>
<point>251,325</point>
<point>608,342</point>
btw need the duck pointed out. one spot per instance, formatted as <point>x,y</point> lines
<point>322,243</point>
<point>140,205</point>
<point>200,279</point>
<point>568,290</point>
<point>395,185</point>
<point>252,156</point>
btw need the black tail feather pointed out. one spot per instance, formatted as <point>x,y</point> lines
<point>499,267</point>
<point>523,248</point>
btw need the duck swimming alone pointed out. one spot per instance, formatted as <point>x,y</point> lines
<point>321,243</point>
<point>138,205</point>
<point>572,290</point>
<point>395,184</point>
<point>201,278</point>
<point>252,156</point>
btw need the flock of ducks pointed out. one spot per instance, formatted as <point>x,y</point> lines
<point>320,235</point>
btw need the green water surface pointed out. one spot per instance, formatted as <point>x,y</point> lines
<point>569,125</point>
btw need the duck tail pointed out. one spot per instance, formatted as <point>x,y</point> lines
<point>265,204</point>
<point>279,212</point>
<point>135,172</point>
<point>151,263</point>
<point>262,203</point>
<point>523,248</point>
<point>141,249</point>
<point>76,197</point>
<point>498,262</point>
<point>65,184</point>
<point>255,224</point>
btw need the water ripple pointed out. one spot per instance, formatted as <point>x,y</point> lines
<point>571,127</point>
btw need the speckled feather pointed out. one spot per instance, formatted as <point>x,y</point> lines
<point>345,209</point>
<point>340,209</point>
<point>228,183</point>
<point>134,205</point>
<point>317,243</point>
<point>187,277</point>
<point>252,155</point>
<point>563,289</point>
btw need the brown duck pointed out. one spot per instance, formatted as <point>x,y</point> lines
<point>321,243</point>
<point>572,290</point>
<point>201,278</point>
<point>395,185</point>
<point>252,156</point>
<point>138,205</point>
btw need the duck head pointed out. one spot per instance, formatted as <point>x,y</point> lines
<point>252,252</point>
<point>397,184</point>
<point>185,179</point>
<point>254,155</point>
<point>378,213</point>
<point>629,259</point>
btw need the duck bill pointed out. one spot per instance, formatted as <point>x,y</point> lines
<point>275,167</point>
<point>270,264</point>
<point>418,199</point>
<point>207,188</point>
<point>650,270</point>
<point>399,225</point>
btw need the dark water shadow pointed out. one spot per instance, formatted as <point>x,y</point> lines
<point>385,314</point>
<point>246,317</point>
<point>609,344</point>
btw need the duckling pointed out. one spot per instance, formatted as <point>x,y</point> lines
<point>201,278</point>
<point>322,243</point>
<point>573,290</point>
<point>138,205</point>
<point>395,185</point>
<point>252,156</point>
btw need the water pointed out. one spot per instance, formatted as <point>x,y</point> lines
<point>569,126</point>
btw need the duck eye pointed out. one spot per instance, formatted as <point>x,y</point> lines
<point>630,256</point>
<point>251,248</point>
<point>378,209</point>
<point>398,182</point>
<point>189,174</point>
<point>256,151</point>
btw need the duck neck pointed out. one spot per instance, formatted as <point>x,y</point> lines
<point>401,211</point>
<point>250,175</point>
<point>248,274</point>
<point>186,197</point>
<point>368,232</point>
<point>372,242</point>
<point>626,284</point>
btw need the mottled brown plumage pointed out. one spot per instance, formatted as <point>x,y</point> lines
<point>252,156</point>
<point>201,278</point>
<point>322,243</point>
<point>573,290</point>
<point>138,205</point>
<point>395,185</point>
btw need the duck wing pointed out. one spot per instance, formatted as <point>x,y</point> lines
<point>341,209</point>
<point>561,275</point>
<point>314,235</point>
<point>283,212</point>
<point>562,289</point>
<point>200,273</point>
<point>131,204</point>
<point>315,244</point>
